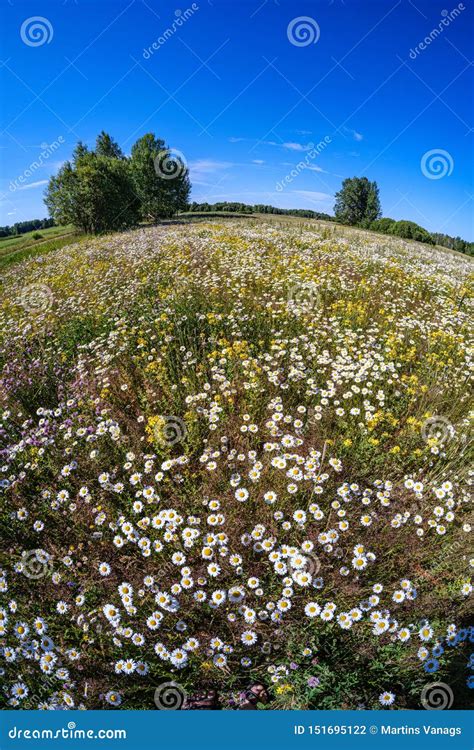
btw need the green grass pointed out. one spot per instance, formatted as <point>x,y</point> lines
<point>14,250</point>
<point>19,241</point>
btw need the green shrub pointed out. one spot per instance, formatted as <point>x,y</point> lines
<point>382,225</point>
<point>411,231</point>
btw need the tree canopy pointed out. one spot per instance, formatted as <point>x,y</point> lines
<point>358,201</point>
<point>104,190</point>
<point>160,178</point>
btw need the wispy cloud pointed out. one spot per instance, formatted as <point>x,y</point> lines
<point>209,165</point>
<point>33,185</point>
<point>315,168</point>
<point>354,134</point>
<point>290,145</point>
<point>314,196</point>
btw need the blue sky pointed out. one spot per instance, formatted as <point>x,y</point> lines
<point>242,88</point>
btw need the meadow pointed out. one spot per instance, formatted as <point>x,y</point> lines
<point>23,246</point>
<point>236,451</point>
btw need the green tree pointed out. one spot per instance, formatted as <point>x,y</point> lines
<point>358,202</point>
<point>95,194</point>
<point>382,225</point>
<point>106,146</point>
<point>79,151</point>
<point>411,231</point>
<point>160,180</point>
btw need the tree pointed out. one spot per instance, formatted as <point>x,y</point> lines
<point>95,194</point>
<point>382,225</point>
<point>358,201</point>
<point>79,151</point>
<point>411,231</point>
<point>160,180</point>
<point>106,146</point>
<point>103,190</point>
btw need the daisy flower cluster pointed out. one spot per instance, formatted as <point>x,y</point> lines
<point>201,461</point>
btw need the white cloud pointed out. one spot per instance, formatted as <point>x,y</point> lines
<point>314,196</point>
<point>291,145</point>
<point>258,161</point>
<point>355,135</point>
<point>32,185</point>
<point>295,146</point>
<point>208,166</point>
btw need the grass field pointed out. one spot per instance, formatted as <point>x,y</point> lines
<point>15,249</point>
<point>236,450</point>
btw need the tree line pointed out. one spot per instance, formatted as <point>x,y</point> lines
<point>257,208</point>
<point>103,190</point>
<point>21,227</point>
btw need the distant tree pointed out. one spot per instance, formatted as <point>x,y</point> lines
<point>382,225</point>
<point>357,202</point>
<point>106,146</point>
<point>455,243</point>
<point>160,181</point>
<point>259,208</point>
<point>411,231</point>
